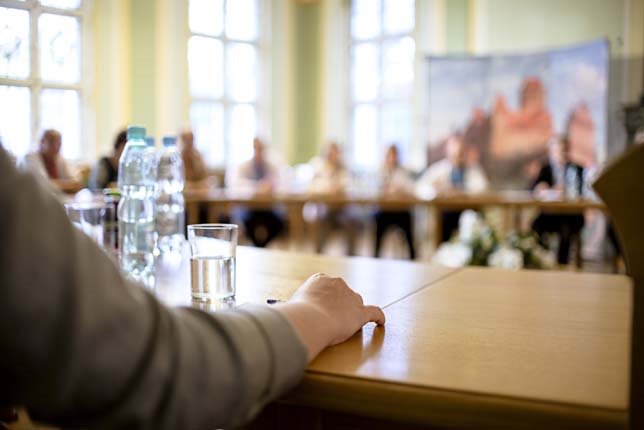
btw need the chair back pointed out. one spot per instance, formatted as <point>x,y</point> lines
<point>621,187</point>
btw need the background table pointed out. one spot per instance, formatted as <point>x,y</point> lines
<point>471,348</point>
<point>218,202</point>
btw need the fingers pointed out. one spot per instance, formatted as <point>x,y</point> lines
<point>374,314</point>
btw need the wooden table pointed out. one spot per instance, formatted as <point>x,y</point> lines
<point>466,348</point>
<point>218,202</point>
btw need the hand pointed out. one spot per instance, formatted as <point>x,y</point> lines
<point>325,311</point>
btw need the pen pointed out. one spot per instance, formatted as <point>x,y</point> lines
<point>274,301</point>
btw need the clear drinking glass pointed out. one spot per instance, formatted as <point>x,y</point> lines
<point>212,261</point>
<point>97,220</point>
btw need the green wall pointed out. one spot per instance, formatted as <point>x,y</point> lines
<point>307,92</point>
<point>143,64</point>
<point>538,24</point>
<point>457,19</point>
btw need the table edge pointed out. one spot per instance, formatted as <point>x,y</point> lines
<point>440,407</point>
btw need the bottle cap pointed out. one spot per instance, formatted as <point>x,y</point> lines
<point>149,141</point>
<point>169,140</point>
<point>135,132</point>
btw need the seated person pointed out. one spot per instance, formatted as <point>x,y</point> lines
<point>48,163</point>
<point>258,176</point>
<point>551,179</point>
<point>331,177</point>
<point>194,167</point>
<point>395,181</point>
<point>106,172</point>
<point>83,347</point>
<point>451,174</point>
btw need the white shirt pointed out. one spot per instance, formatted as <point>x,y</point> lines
<point>437,179</point>
<point>242,178</point>
<point>32,162</point>
<point>327,178</point>
<point>396,180</point>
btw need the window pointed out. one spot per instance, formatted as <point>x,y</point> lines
<point>381,78</point>
<point>223,63</point>
<point>40,72</point>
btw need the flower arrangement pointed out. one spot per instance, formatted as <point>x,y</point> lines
<point>479,244</point>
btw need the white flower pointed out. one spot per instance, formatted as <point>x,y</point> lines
<point>453,255</point>
<point>506,258</point>
<point>469,226</point>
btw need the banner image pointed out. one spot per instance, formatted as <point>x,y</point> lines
<point>507,107</point>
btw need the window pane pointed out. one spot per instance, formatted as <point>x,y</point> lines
<point>243,128</point>
<point>207,16</point>
<point>365,19</point>
<point>241,74</point>
<point>364,74</point>
<point>207,119</point>
<point>59,48</point>
<point>60,110</point>
<point>241,19</point>
<point>62,4</point>
<point>399,16</point>
<point>398,67</point>
<point>15,119</point>
<point>366,151</point>
<point>396,126</point>
<point>14,43</point>
<point>205,63</point>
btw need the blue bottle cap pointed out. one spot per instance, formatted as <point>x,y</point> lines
<point>149,141</point>
<point>135,132</point>
<point>169,140</point>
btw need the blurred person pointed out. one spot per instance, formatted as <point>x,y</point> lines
<point>47,163</point>
<point>395,181</point>
<point>105,173</point>
<point>258,176</point>
<point>93,350</point>
<point>551,182</point>
<point>9,154</point>
<point>452,174</point>
<point>193,163</point>
<point>331,177</point>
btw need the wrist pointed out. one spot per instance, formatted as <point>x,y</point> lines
<point>312,325</point>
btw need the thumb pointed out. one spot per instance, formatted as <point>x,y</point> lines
<point>373,314</point>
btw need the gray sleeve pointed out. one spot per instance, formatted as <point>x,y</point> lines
<point>81,346</point>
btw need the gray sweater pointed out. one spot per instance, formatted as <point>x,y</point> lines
<point>81,346</point>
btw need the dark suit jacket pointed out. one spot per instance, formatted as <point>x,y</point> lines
<point>546,175</point>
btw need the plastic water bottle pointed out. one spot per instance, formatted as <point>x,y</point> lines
<point>170,204</point>
<point>136,210</point>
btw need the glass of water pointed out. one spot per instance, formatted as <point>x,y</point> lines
<point>212,261</point>
<point>97,220</point>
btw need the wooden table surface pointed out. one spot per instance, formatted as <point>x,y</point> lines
<point>473,347</point>
<point>501,198</point>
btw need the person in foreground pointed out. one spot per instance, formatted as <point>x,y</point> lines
<point>82,347</point>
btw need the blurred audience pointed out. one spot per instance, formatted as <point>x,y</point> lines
<point>331,177</point>
<point>395,181</point>
<point>193,163</point>
<point>452,174</point>
<point>47,162</point>
<point>258,176</point>
<point>105,173</point>
<point>551,183</point>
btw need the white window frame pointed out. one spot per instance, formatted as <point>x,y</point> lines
<point>34,81</point>
<point>380,102</point>
<point>261,44</point>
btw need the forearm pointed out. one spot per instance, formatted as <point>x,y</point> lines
<point>82,346</point>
